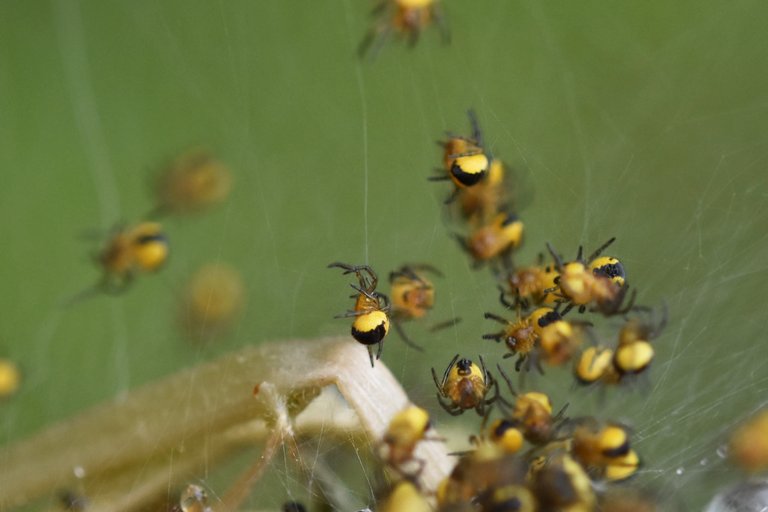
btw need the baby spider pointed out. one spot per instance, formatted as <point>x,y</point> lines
<point>532,414</point>
<point>193,182</point>
<point>466,385</point>
<point>532,285</point>
<point>559,339</point>
<point>520,336</point>
<point>631,357</point>
<point>597,282</point>
<point>503,435</point>
<point>371,311</point>
<point>603,449</point>
<point>405,17</point>
<point>128,252</point>
<point>595,364</point>
<point>634,353</point>
<point>465,160</point>
<point>494,241</point>
<point>479,203</point>
<point>413,296</point>
<point>406,429</point>
<point>476,477</point>
<point>560,483</point>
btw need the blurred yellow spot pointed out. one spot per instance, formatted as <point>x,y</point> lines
<point>10,378</point>
<point>194,181</point>
<point>213,301</point>
<point>749,444</point>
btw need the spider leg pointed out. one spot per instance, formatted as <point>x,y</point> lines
<point>374,41</point>
<point>445,33</point>
<point>560,416</point>
<point>453,196</point>
<point>655,331</point>
<point>444,325</point>
<point>506,259</point>
<point>492,316</point>
<point>600,249</point>
<point>425,267</point>
<point>556,257</point>
<point>368,294</point>
<point>379,7</point>
<point>348,269</point>
<point>383,300</point>
<point>476,132</point>
<point>350,314</point>
<point>441,177</point>
<point>472,152</point>
<point>493,383</point>
<point>504,301</point>
<point>448,369</point>
<point>405,338</point>
<point>458,411</point>
<point>413,37</point>
<point>507,380</point>
<point>448,407</point>
<point>437,383</point>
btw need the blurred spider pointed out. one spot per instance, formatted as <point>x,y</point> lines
<point>413,296</point>
<point>494,241</point>
<point>405,17</point>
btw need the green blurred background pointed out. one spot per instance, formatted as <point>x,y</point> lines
<point>646,121</point>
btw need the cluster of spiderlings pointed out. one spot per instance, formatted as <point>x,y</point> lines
<point>566,458</point>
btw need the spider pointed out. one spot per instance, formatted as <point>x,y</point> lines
<point>371,311</point>
<point>598,282</point>
<point>466,385</point>
<point>413,296</point>
<point>465,161</point>
<point>495,241</point>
